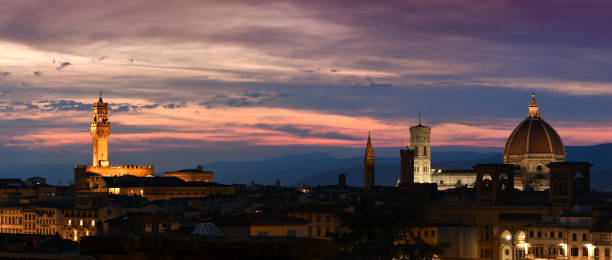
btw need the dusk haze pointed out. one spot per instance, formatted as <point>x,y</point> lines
<point>306,129</point>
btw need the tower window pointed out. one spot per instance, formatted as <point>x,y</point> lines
<point>539,168</point>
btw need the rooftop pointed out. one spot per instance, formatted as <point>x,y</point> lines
<point>133,181</point>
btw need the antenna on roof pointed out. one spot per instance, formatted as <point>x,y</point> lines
<point>419,117</point>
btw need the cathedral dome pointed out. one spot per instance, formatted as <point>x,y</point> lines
<point>533,136</point>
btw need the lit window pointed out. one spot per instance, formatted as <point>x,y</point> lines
<point>69,222</point>
<point>81,223</point>
<point>93,223</point>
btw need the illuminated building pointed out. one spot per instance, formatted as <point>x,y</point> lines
<point>156,188</point>
<point>197,174</point>
<point>79,223</point>
<point>100,134</point>
<point>322,220</point>
<point>532,146</point>
<point>420,144</point>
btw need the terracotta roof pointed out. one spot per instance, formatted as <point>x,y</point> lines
<point>133,181</point>
<point>534,135</point>
<point>263,219</point>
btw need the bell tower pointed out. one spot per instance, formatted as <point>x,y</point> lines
<point>421,148</point>
<point>100,132</point>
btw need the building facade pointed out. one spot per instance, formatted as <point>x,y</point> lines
<point>449,179</point>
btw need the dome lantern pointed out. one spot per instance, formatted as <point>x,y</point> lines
<point>533,108</point>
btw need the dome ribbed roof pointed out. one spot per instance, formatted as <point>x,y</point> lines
<point>534,135</point>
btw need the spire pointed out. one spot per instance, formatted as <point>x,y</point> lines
<point>533,108</point>
<point>100,99</point>
<point>369,154</point>
<point>419,117</point>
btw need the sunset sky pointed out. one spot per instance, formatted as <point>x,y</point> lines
<point>239,80</point>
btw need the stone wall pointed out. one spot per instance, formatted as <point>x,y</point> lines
<point>120,170</point>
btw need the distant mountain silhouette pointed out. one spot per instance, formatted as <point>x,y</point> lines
<point>294,169</point>
<point>601,158</point>
<point>321,168</point>
<point>387,169</point>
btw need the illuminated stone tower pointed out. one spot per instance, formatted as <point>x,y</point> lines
<point>419,144</point>
<point>100,132</point>
<point>368,165</point>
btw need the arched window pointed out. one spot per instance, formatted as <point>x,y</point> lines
<point>506,236</point>
<point>579,183</point>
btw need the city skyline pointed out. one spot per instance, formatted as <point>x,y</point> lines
<point>263,79</point>
<point>343,129</point>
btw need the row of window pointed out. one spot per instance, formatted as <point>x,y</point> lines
<point>421,169</point>
<point>10,211</point>
<point>79,213</point>
<point>319,231</point>
<point>81,222</point>
<point>48,212</point>
<point>559,235</point>
<point>203,191</point>
<point>11,230</point>
<point>314,217</point>
<point>45,221</point>
<point>606,252</point>
<point>486,252</point>
<point>160,228</point>
<point>11,220</point>
<point>559,251</point>
<point>426,233</point>
<point>552,251</point>
<point>416,151</point>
